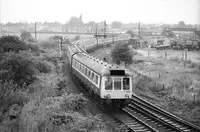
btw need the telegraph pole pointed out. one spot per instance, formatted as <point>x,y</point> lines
<point>60,46</point>
<point>35,31</point>
<point>139,29</point>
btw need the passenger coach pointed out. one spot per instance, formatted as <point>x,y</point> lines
<point>107,83</point>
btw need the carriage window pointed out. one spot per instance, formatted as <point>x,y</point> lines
<point>83,70</point>
<point>108,83</point>
<point>77,65</point>
<point>92,76</point>
<point>126,83</point>
<point>89,73</point>
<point>117,83</point>
<point>97,78</point>
<point>86,71</point>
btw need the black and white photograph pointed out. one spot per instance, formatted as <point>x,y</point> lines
<point>99,65</point>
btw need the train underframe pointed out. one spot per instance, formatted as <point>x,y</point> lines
<point>108,103</point>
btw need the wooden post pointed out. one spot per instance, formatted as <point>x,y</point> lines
<point>182,56</point>
<point>163,86</point>
<point>185,55</point>
<point>165,54</point>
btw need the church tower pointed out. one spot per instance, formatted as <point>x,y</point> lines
<point>80,18</point>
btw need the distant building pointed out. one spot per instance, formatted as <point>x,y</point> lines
<point>15,27</point>
<point>76,25</point>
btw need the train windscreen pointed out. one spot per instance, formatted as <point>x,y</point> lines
<point>117,83</point>
<point>108,83</point>
<point>126,83</point>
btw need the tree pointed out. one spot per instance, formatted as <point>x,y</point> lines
<point>18,68</point>
<point>116,24</point>
<point>121,52</point>
<point>11,43</point>
<point>181,24</point>
<point>168,33</point>
<point>25,35</point>
<point>130,32</point>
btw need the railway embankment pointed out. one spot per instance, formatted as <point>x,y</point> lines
<point>47,101</point>
<point>171,84</point>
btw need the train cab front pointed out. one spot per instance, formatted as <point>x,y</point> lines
<point>117,87</point>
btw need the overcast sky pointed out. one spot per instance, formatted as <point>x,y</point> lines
<point>146,11</point>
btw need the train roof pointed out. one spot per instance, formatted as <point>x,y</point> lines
<point>97,65</point>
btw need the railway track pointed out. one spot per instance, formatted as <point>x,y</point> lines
<point>122,118</point>
<point>158,118</point>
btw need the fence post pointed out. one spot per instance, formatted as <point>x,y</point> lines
<point>163,86</point>
<point>182,56</point>
<point>165,54</point>
<point>194,97</point>
<point>159,75</point>
<point>185,55</point>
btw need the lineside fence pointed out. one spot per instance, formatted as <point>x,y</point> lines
<point>157,85</point>
<point>180,55</point>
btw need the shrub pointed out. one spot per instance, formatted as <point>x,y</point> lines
<point>182,84</point>
<point>130,32</point>
<point>11,43</point>
<point>62,87</point>
<point>121,52</point>
<point>26,36</point>
<point>33,47</point>
<point>76,37</point>
<point>10,94</point>
<point>18,68</point>
<point>49,44</point>
<point>42,66</point>
<point>73,102</point>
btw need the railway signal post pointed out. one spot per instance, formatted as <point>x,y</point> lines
<point>60,46</point>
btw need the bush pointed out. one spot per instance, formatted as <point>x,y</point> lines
<point>10,94</point>
<point>33,47</point>
<point>42,66</point>
<point>76,37</point>
<point>121,52</point>
<point>18,68</point>
<point>130,32</point>
<point>26,36</point>
<point>182,84</point>
<point>73,102</point>
<point>11,43</point>
<point>62,88</point>
<point>49,44</point>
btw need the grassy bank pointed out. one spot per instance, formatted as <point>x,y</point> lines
<point>46,103</point>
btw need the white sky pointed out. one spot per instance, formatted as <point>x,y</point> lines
<point>146,11</point>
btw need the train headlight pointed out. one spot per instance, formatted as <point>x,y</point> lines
<point>108,96</point>
<point>126,95</point>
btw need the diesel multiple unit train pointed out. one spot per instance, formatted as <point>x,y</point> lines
<point>107,83</point>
